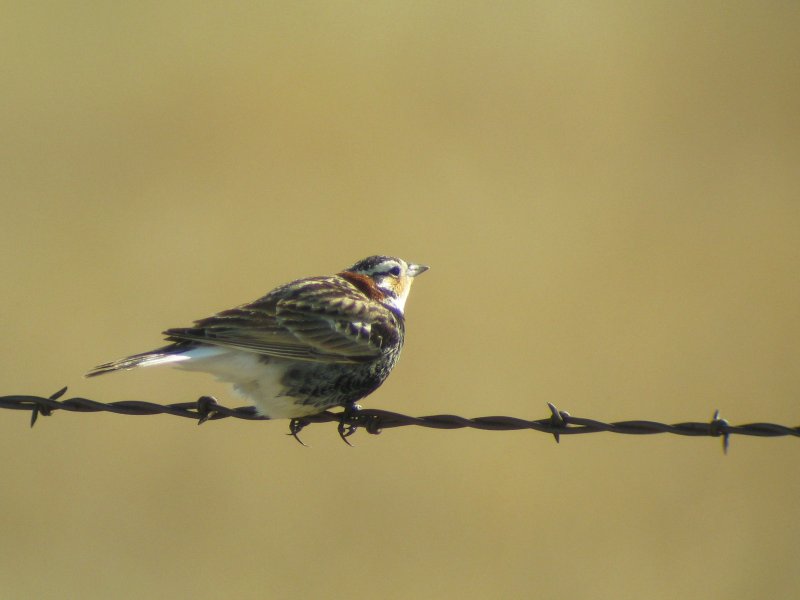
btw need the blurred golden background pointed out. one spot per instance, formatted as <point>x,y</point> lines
<point>607,194</point>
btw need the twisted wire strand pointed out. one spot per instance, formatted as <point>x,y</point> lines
<point>375,420</point>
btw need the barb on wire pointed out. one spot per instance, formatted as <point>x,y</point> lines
<point>374,420</point>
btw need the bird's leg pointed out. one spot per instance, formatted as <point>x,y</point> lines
<point>348,421</point>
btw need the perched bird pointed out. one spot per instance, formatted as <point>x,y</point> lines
<point>306,346</point>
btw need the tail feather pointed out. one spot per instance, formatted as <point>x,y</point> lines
<point>167,354</point>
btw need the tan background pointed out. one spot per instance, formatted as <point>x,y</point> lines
<point>607,194</point>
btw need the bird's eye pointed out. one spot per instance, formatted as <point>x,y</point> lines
<point>394,271</point>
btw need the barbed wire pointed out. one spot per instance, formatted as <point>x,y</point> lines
<point>374,421</point>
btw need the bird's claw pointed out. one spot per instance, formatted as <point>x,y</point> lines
<point>295,427</point>
<point>348,422</point>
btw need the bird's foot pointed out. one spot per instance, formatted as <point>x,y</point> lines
<point>295,427</point>
<point>348,422</point>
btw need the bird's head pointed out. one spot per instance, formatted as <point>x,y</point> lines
<point>391,276</point>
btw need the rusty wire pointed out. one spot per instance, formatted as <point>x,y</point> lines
<point>558,423</point>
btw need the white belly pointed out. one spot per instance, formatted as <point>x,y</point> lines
<point>254,379</point>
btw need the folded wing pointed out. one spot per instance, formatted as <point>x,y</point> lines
<point>321,319</point>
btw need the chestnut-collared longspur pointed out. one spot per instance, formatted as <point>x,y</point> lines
<point>306,346</point>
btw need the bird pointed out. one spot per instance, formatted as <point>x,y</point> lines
<point>306,346</point>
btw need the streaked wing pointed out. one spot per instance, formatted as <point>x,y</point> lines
<point>322,319</point>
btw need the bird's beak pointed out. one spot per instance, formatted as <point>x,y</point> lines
<point>414,270</point>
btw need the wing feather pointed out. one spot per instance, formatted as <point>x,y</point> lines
<point>322,319</point>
